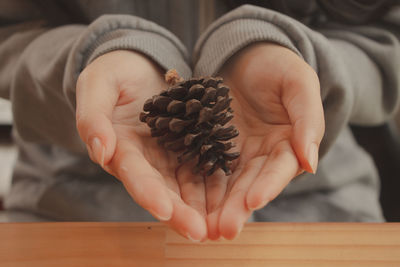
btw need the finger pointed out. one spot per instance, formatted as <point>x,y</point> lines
<point>142,181</point>
<point>302,99</point>
<point>212,221</point>
<point>90,153</point>
<point>95,100</point>
<point>149,189</point>
<point>108,169</point>
<point>192,188</point>
<point>216,186</point>
<point>186,220</point>
<point>278,170</point>
<point>235,213</point>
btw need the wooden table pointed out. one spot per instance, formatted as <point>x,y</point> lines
<point>152,244</point>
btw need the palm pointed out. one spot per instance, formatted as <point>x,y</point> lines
<point>133,134</point>
<point>261,87</point>
<point>149,173</point>
<point>185,189</point>
<point>265,122</point>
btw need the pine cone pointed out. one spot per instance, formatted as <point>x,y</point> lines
<point>189,116</point>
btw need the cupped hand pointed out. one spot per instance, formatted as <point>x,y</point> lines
<point>110,95</point>
<point>279,114</point>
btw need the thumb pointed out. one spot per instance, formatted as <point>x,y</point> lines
<point>302,99</point>
<point>96,98</point>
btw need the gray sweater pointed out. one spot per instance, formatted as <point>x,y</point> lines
<point>44,45</point>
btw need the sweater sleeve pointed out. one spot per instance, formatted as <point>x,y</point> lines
<point>40,67</point>
<point>358,66</point>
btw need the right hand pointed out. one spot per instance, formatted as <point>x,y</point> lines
<point>280,117</point>
<point>110,95</point>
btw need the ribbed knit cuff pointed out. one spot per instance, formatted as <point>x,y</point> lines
<point>156,47</point>
<point>246,25</point>
<point>230,37</point>
<point>115,32</point>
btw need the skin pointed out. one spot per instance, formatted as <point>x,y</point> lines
<point>278,111</point>
<point>279,114</point>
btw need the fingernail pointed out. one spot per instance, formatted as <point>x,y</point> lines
<point>98,151</point>
<point>161,217</point>
<point>313,157</point>
<point>89,151</point>
<point>192,239</point>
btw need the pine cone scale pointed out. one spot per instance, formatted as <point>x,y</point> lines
<point>193,106</point>
<point>176,106</point>
<point>190,116</point>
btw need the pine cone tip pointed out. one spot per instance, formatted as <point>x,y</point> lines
<point>172,77</point>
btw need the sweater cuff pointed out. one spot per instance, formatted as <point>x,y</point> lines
<point>231,37</point>
<point>124,32</point>
<point>156,47</point>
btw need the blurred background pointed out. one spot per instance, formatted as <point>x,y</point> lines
<point>383,143</point>
<point>8,151</point>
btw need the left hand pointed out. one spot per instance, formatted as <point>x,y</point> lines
<point>279,114</point>
<point>110,95</point>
